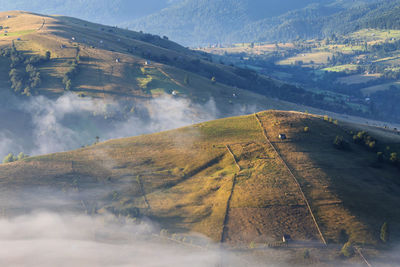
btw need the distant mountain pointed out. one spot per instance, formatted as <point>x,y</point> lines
<point>200,22</point>
<point>102,11</point>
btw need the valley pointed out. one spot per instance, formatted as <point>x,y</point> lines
<point>274,142</point>
<point>356,73</point>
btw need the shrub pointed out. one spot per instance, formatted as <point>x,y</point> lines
<point>9,158</point>
<point>393,158</point>
<point>347,250</point>
<point>384,233</point>
<point>252,245</point>
<point>340,143</point>
<point>22,156</point>
<point>372,145</point>
<point>48,55</point>
<point>213,80</point>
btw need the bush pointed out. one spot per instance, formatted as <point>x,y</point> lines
<point>252,245</point>
<point>340,143</point>
<point>347,250</point>
<point>384,233</point>
<point>22,156</point>
<point>365,139</point>
<point>48,55</point>
<point>393,158</point>
<point>9,158</point>
<point>213,80</point>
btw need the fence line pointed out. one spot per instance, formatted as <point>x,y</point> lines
<point>294,178</point>
<point>234,158</point>
<point>362,256</point>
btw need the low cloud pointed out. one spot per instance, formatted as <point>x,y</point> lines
<point>70,121</point>
<point>49,239</point>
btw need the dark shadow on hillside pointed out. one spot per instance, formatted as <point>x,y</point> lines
<point>371,194</point>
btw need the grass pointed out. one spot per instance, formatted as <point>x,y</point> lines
<point>307,58</point>
<point>187,174</point>
<point>18,33</point>
<point>381,87</point>
<point>112,63</point>
<point>341,68</point>
<point>358,78</point>
<point>374,35</point>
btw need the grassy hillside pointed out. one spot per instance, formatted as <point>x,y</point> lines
<point>108,62</point>
<point>232,179</point>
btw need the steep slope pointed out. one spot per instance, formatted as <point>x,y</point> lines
<point>101,11</point>
<point>202,22</point>
<point>232,179</point>
<point>109,62</point>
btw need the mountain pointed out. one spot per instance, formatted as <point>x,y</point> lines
<point>233,180</point>
<point>202,22</point>
<point>83,80</point>
<point>52,55</point>
<point>101,11</point>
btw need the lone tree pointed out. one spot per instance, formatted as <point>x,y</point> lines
<point>9,158</point>
<point>22,156</point>
<point>340,143</point>
<point>186,79</point>
<point>347,250</point>
<point>48,55</point>
<point>213,80</point>
<point>384,233</point>
<point>393,158</point>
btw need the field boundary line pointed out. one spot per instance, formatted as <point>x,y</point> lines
<point>228,202</point>
<point>358,250</point>
<point>294,178</point>
<point>139,180</point>
<point>228,206</point>
<point>234,157</point>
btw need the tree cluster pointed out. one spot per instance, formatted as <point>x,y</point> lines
<point>11,158</point>
<point>363,138</point>
<point>24,74</point>
<point>71,72</point>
